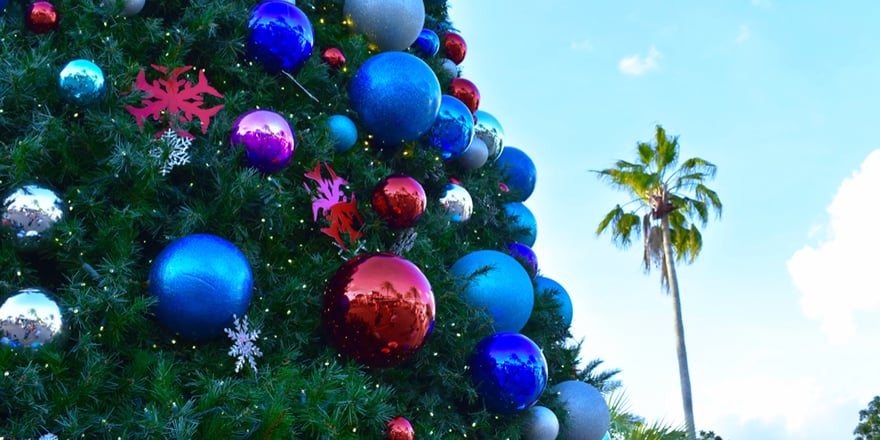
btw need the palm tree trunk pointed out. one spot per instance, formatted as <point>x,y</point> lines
<point>683,373</point>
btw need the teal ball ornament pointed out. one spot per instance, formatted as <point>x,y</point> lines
<point>520,174</point>
<point>585,415</point>
<point>559,294</point>
<point>81,82</point>
<point>523,221</point>
<point>343,132</point>
<point>495,281</point>
<point>200,282</point>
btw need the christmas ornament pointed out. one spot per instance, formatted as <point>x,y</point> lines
<point>520,174</point>
<point>30,318</point>
<point>343,132</point>
<point>509,372</point>
<point>378,309</point>
<point>524,221</point>
<point>389,24</point>
<point>30,216</point>
<point>466,92</point>
<point>526,256</point>
<point>456,200</point>
<point>200,282</point>
<point>474,156</point>
<point>455,47</point>
<point>130,8</point>
<point>399,200</point>
<point>540,423</point>
<point>3,7</point>
<point>280,36</point>
<point>560,295</point>
<point>243,339</point>
<point>495,281</point>
<point>171,150</point>
<point>449,68</point>
<point>607,436</point>
<point>586,415</point>
<point>267,139</point>
<point>396,96</point>
<point>399,428</point>
<point>41,17</point>
<point>81,82</point>
<point>427,44</point>
<point>334,58</point>
<point>489,130</point>
<point>329,199</point>
<point>453,129</point>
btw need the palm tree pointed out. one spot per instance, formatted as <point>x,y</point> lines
<point>669,196</point>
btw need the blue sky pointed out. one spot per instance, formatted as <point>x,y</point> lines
<point>781,309</point>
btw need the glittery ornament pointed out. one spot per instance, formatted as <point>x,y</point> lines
<point>392,25</point>
<point>399,200</point>
<point>280,36</point>
<point>520,174</point>
<point>453,130</point>
<point>30,318</point>
<point>524,222</point>
<point>267,139</point>
<point>540,423</point>
<point>333,57</point>
<point>509,372</point>
<point>427,44</point>
<point>560,295</point>
<point>466,92</point>
<point>489,130</point>
<point>456,200</point>
<point>496,282</point>
<point>81,82</point>
<point>585,415</point>
<point>455,47</point>
<point>378,309</point>
<point>399,428</point>
<point>30,216</point>
<point>41,17</point>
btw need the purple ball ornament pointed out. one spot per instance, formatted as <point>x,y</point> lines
<point>453,130</point>
<point>509,372</point>
<point>280,36</point>
<point>267,139</point>
<point>526,256</point>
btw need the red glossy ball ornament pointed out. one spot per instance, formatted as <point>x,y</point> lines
<point>378,309</point>
<point>399,200</point>
<point>455,47</point>
<point>41,17</point>
<point>333,57</point>
<point>399,428</point>
<point>466,92</point>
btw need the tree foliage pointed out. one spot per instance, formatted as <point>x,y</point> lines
<point>869,421</point>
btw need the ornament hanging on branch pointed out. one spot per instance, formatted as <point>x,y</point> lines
<point>171,150</point>
<point>30,216</point>
<point>329,200</point>
<point>41,17</point>
<point>30,318</point>
<point>399,428</point>
<point>243,347</point>
<point>81,82</point>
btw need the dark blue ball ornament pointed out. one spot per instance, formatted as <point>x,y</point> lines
<point>495,281</point>
<point>560,295</point>
<point>519,172</point>
<point>427,44</point>
<point>4,2</point>
<point>81,82</point>
<point>397,97</point>
<point>343,132</point>
<point>453,130</point>
<point>280,36</point>
<point>509,372</point>
<point>526,256</point>
<point>523,220</point>
<point>200,282</point>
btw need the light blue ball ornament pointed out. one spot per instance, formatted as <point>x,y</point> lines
<point>523,220</point>
<point>509,372</point>
<point>560,295</point>
<point>495,281</point>
<point>585,415</point>
<point>81,82</point>
<point>520,174</point>
<point>343,132</point>
<point>397,97</point>
<point>540,424</point>
<point>280,36</point>
<point>200,281</point>
<point>453,130</point>
<point>427,44</point>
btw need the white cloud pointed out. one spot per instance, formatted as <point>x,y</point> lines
<point>744,34</point>
<point>837,278</point>
<point>582,45</point>
<point>636,65</point>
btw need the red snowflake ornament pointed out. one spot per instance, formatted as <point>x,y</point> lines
<point>329,199</point>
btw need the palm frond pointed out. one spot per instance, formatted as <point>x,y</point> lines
<point>705,194</point>
<point>667,150</point>
<point>646,153</point>
<point>692,208</point>
<point>623,226</point>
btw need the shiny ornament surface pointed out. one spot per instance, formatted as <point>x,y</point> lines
<point>520,174</point>
<point>280,36</point>
<point>3,7</point>
<point>399,200</point>
<point>449,68</point>
<point>454,47</point>
<point>392,25</point>
<point>333,57</point>
<point>466,92</point>
<point>30,216</point>
<point>509,372</point>
<point>343,132</point>
<point>526,256</point>
<point>427,44</point>
<point>30,318</point>
<point>489,130</point>
<point>129,8</point>
<point>523,220</point>
<point>540,423</point>
<point>200,281</point>
<point>457,201</point>
<point>453,130</point>
<point>397,97</point>
<point>586,415</point>
<point>378,309</point>
<point>41,17</point>
<point>399,428</point>
<point>560,295</point>
<point>267,139</point>
<point>474,156</point>
<point>496,282</point>
<point>81,82</point>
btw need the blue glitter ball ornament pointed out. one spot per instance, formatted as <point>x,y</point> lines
<point>524,221</point>
<point>200,281</point>
<point>560,295</point>
<point>519,172</point>
<point>343,132</point>
<point>280,36</point>
<point>397,97</point>
<point>509,372</point>
<point>495,281</point>
<point>526,256</point>
<point>453,130</point>
<point>81,82</point>
<point>427,44</point>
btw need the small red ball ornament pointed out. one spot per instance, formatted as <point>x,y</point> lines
<point>399,428</point>
<point>334,58</point>
<point>41,17</point>
<point>455,47</point>
<point>466,92</point>
<point>399,200</point>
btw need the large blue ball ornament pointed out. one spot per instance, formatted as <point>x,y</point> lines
<point>509,372</point>
<point>519,172</point>
<point>524,222</point>
<point>495,281</point>
<point>343,132</point>
<point>81,82</point>
<point>200,281</point>
<point>560,295</point>
<point>453,130</point>
<point>427,44</point>
<point>397,97</point>
<point>280,36</point>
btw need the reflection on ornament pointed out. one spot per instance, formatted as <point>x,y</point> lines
<point>399,428</point>
<point>457,202</point>
<point>489,130</point>
<point>455,47</point>
<point>280,36</point>
<point>427,44</point>
<point>509,372</point>
<point>399,200</point>
<point>333,57</point>
<point>466,91</point>
<point>30,216</point>
<point>453,130</point>
<point>81,82</point>
<point>41,17</point>
<point>267,139</point>
<point>520,174</point>
<point>30,318</point>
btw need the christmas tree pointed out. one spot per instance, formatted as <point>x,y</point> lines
<point>234,219</point>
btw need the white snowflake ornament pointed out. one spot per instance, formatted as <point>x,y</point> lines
<point>172,150</point>
<point>243,347</point>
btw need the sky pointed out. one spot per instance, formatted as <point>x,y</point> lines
<point>782,307</point>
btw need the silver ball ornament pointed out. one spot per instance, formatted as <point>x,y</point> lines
<point>489,130</point>
<point>29,318</point>
<point>586,415</point>
<point>540,424</point>
<point>30,215</point>
<point>450,68</point>
<point>457,202</point>
<point>475,156</point>
<point>389,24</point>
